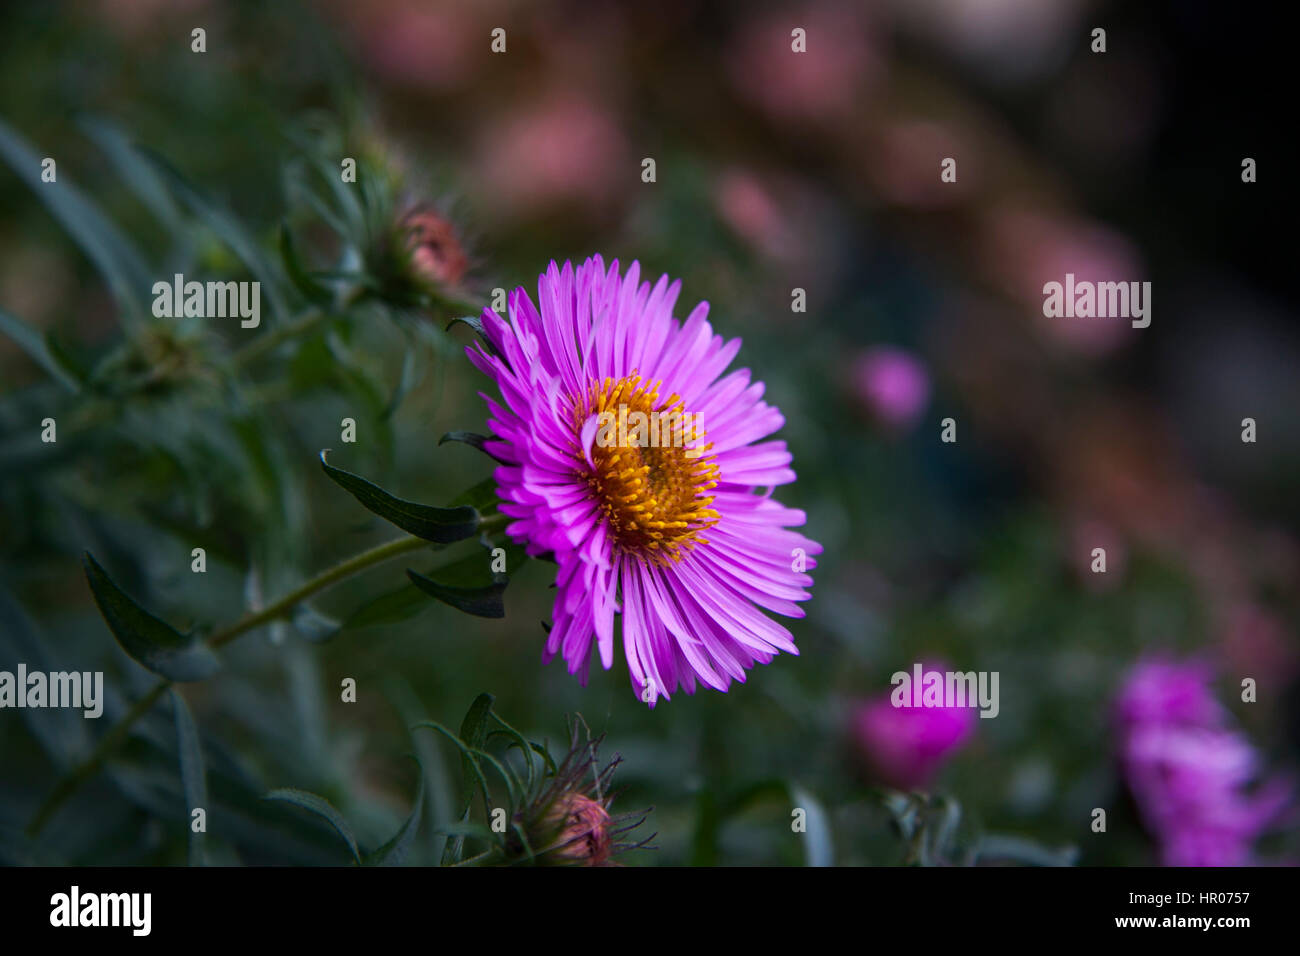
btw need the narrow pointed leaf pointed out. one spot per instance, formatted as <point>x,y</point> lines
<point>226,228</point>
<point>138,173</point>
<point>483,601</point>
<point>473,733</point>
<point>113,255</point>
<point>38,350</point>
<point>395,851</point>
<point>391,608</point>
<point>312,290</point>
<point>322,808</point>
<point>150,642</point>
<point>440,525</point>
<point>194,780</point>
<point>475,323</point>
<point>472,439</point>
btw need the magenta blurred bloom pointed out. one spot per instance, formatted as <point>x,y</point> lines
<point>905,746</point>
<point>892,385</point>
<point>631,458</point>
<point>1194,777</point>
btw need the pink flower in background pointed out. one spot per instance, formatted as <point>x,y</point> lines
<point>414,43</point>
<point>677,537</point>
<point>1257,640</point>
<point>904,747</point>
<point>892,385</point>
<point>784,220</point>
<point>1026,247</point>
<point>565,148</point>
<point>907,165</point>
<point>824,83</point>
<point>749,209</point>
<point>1162,691</point>
<point>1192,775</point>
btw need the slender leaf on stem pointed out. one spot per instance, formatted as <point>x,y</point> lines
<point>150,642</point>
<point>39,350</point>
<point>322,808</point>
<point>194,780</point>
<point>440,525</point>
<point>395,851</point>
<point>229,230</point>
<point>113,255</point>
<point>390,607</point>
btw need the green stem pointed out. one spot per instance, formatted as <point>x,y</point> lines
<point>71,782</point>
<point>344,569</point>
<point>73,779</point>
<point>265,343</point>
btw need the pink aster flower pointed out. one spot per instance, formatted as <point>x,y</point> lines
<point>668,522</point>
<point>892,386</point>
<point>1197,781</point>
<point>904,747</point>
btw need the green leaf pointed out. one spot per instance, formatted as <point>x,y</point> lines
<point>226,228</point>
<point>312,290</point>
<point>393,607</point>
<point>441,525</point>
<point>138,172</point>
<point>473,439</point>
<point>473,733</point>
<point>475,323</point>
<point>405,382</point>
<point>394,852</point>
<point>481,497</point>
<point>469,585</point>
<point>322,808</point>
<point>194,781</point>
<point>38,349</point>
<point>113,255</point>
<point>150,642</point>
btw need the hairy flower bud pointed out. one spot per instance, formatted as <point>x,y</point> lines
<point>436,255</point>
<point>585,830</point>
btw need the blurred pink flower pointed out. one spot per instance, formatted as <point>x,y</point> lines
<point>415,44</point>
<point>1026,248</point>
<point>823,83</point>
<point>747,207</point>
<point>1161,691</point>
<point>1192,775</point>
<point>892,385</point>
<point>904,747</point>
<point>1257,642</point>
<point>565,148</point>
<point>908,166</point>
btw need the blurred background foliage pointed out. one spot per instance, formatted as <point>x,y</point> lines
<point>774,171</point>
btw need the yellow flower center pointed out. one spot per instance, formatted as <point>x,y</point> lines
<point>651,475</point>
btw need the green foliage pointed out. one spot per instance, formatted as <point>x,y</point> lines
<point>151,643</point>
<point>183,433</point>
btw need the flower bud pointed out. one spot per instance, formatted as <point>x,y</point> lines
<point>585,830</point>
<point>435,254</point>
